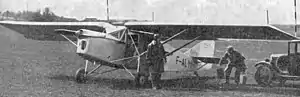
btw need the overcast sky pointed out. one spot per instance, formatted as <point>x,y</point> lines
<point>199,11</point>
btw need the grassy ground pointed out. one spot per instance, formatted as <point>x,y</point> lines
<point>46,69</point>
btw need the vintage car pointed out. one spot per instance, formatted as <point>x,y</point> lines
<point>280,67</point>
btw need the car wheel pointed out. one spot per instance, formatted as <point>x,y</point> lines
<point>263,76</point>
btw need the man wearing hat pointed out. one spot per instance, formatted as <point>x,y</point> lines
<point>156,59</point>
<point>237,60</point>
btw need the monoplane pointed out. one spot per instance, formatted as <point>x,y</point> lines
<point>125,47</point>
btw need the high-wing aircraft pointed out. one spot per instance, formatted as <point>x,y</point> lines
<point>124,47</point>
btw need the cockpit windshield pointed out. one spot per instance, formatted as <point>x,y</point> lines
<point>119,34</point>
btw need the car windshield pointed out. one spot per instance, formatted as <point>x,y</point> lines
<point>293,49</point>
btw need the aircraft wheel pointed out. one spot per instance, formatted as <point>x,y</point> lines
<point>141,80</point>
<point>263,76</point>
<point>80,76</point>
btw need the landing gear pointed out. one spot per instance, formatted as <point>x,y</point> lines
<point>141,80</point>
<point>80,75</point>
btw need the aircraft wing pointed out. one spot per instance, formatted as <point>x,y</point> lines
<point>45,30</point>
<point>213,31</point>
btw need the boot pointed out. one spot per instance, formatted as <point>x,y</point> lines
<point>155,86</point>
<point>227,80</point>
<point>155,82</point>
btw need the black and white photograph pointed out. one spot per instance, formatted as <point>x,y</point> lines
<point>149,48</point>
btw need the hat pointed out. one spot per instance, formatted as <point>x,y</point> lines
<point>156,36</point>
<point>230,47</point>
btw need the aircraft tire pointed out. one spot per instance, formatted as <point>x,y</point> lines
<point>80,76</point>
<point>140,81</point>
<point>263,76</point>
<point>143,80</point>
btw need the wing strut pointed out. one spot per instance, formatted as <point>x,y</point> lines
<point>169,39</point>
<point>64,32</point>
<point>182,46</point>
<point>69,40</point>
<point>137,50</point>
<point>142,32</point>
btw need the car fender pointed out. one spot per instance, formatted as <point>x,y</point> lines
<point>264,63</point>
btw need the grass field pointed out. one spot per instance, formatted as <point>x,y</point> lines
<point>45,69</point>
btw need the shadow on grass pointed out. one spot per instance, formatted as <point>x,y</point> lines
<point>283,90</point>
<point>61,77</point>
<point>200,84</point>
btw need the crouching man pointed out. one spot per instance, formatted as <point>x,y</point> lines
<point>236,60</point>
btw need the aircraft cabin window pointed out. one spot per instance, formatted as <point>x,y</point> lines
<point>135,39</point>
<point>123,36</point>
<point>115,34</point>
<point>119,35</point>
<point>83,45</point>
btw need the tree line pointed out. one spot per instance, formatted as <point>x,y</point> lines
<point>48,16</point>
<point>39,16</point>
